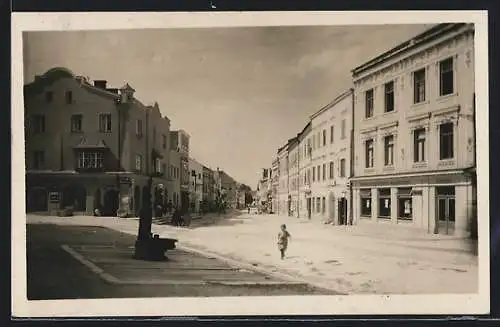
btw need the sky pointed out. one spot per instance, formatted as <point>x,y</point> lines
<point>239,92</point>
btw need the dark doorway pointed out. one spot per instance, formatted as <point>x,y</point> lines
<point>36,200</point>
<point>342,211</point>
<point>446,209</point>
<point>308,208</point>
<point>111,203</point>
<point>74,195</point>
<point>137,200</point>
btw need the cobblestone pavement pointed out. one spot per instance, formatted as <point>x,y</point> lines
<point>76,262</point>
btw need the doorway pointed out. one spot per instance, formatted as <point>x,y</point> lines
<point>342,211</point>
<point>308,201</point>
<point>111,203</point>
<point>446,210</point>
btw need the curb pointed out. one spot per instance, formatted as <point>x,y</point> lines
<point>247,266</point>
<point>115,281</point>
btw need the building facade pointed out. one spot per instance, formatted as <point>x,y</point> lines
<point>180,143</point>
<point>414,162</point>
<point>175,179</point>
<point>208,198</point>
<point>91,147</point>
<point>293,177</point>
<point>331,131</point>
<point>283,191</point>
<point>305,149</point>
<point>274,185</point>
<point>229,187</point>
<point>195,185</point>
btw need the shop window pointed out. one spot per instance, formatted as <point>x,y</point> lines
<point>366,203</point>
<point>405,207</point>
<point>384,205</point>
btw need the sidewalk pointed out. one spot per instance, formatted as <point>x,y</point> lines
<point>348,259</point>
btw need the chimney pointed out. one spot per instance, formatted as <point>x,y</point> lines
<point>100,84</point>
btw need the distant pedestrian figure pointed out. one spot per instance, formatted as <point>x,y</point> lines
<point>283,237</point>
<point>248,209</point>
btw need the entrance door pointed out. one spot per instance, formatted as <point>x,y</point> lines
<point>342,211</point>
<point>111,203</point>
<point>446,210</point>
<point>309,208</point>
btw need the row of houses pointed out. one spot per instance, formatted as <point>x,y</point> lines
<point>398,147</point>
<point>93,148</point>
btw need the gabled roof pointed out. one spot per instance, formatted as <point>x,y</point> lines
<point>333,103</point>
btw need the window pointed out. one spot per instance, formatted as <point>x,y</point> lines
<point>332,134</point>
<point>404,204</point>
<point>446,141</point>
<point>446,77</point>
<point>318,169</point>
<point>323,205</point>
<point>157,166</point>
<point>69,97</point>
<point>89,160</point>
<point>389,96</point>
<point>342,167</point>
<point>38,160</point>
<point>389,150</point>
<point>324,171</point>
<point>39,123</point>
<point>49,96</point>
<point>324,137</point>
<point>419,145</point>
<point>318,139</point>
<point>331,169</point>
<point>314,142</point>
<point>419,86</point>
<point>369,153</point>
<point>314,174</point>
<point>76,123</point>
<point>342,129</point>
<point>138,128</point>
<point>318,204</point>
<point>104,123</point>
<point>369,103</point>
<point>384,206</point>
<point>138,162</point>
<point>164,141</point>
<point>366,203</point>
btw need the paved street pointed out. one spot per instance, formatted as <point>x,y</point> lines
<point>370,259</point>
<point>55,272</point>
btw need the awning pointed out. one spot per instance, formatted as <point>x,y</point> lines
<point>84,145</point>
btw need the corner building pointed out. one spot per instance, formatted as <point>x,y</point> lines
<point>414,160</point>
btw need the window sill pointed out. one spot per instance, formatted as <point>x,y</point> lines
<point>419,104</point>
<point>365,217</point>
<point>442,98</point>
<point>76,132</point>
<point>405,220</point>
<point>388,113</point>
<point>369,118</point>
<point>369,170</point>
<point>446,162</point>
<point>389,168</point>
<point>384,218</point>
<point>419,165</point>
<point>105,132</point>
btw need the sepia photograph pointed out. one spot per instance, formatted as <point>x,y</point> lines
<point>262,161</point>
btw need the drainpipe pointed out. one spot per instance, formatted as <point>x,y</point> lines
<point>351,165</point>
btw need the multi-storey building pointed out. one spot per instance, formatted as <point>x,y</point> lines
<point>91,147</point>
<point>195,185</point>
<point>283,191</point>
<point>264,188</point>
<point>208,198</point>
<point>414,134</point>
<point>180,143</point>
<point>229,187</point>
<point>331,130</point>
<point>175,178</point>
<point>293,176</point>
<point>274,185</point>
<point>305,209</point>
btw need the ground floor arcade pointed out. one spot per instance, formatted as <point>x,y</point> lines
<point>113,194</point>
<point>443,203</point>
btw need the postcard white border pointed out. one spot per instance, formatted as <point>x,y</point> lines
<point>283,305</point>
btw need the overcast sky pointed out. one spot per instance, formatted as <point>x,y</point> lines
<point>239,92</point>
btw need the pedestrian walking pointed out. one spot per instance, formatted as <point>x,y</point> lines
<point>283,237</point>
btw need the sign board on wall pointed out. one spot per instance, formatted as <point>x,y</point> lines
<point>54,197</point>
